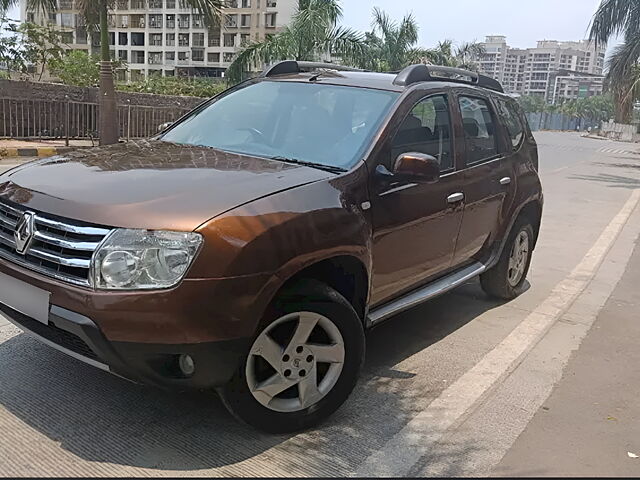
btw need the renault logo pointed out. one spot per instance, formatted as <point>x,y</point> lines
<point>23,234</point>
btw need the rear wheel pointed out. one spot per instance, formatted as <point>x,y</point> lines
<point>303,363</point>
<point>507,278</point>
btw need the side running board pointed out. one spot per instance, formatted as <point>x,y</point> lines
<point>425,293</point>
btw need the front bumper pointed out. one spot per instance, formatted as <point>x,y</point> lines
<point>154,364</point>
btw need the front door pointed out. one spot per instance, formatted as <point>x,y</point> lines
<point>487,178</point>
<point>415,225</point>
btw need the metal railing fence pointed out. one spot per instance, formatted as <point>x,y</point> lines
<point>43,119</point>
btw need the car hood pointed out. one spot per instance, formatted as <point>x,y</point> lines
<point>149,184</point>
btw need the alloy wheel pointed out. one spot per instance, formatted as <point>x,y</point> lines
<point>295,362</point>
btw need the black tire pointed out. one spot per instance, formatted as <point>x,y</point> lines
<point>495,282</point>
<point>306,296</point>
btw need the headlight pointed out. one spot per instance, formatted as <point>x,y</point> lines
<point>143,260</point>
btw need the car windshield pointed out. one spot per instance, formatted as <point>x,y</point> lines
<point>307,122</point>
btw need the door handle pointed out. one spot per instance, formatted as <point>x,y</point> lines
<point>505,181</point>
<point>455,197</point>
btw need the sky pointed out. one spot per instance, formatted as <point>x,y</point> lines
<point>522,22</point>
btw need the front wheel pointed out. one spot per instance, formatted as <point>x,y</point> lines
<point>506,279</point>
<point>303,363</point>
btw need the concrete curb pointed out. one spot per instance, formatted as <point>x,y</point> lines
<point>35,152</point>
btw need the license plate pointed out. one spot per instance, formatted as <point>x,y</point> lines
<point>26,299</point>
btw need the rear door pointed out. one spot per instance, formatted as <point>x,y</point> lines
<point>487,177</point>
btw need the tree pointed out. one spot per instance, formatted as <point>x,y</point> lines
<point>96,16</point>
<point>615,17</point>
<point>80,69</point>
<point>41,44</point>
<point>532,103</point>
<point>312,35</point>
<point>391,46</point>
<point>448,55</point>
<point>11,53</point>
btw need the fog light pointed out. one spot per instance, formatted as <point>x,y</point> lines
<point>187,365</point>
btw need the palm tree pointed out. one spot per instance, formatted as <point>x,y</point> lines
<point>391,46</point>
<point>448,55</point>
<point>96,15</point>
<point>615,17</point>
<point>312,35</point>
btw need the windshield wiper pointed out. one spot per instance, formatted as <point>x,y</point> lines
<point>319,166</point>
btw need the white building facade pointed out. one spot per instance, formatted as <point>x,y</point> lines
<point>554,70</point>
<point>168,38</point>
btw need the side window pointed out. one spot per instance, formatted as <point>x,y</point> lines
<point>427,129</point>
<point>479,130</point>
<point>512,120</point>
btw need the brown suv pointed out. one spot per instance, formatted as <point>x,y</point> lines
<point>249,246</point>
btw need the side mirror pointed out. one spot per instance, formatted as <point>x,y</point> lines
<point>164,126</point>
<point>417,167</point>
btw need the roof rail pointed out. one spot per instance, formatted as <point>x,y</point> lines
<point>430,73</point>
<point>293,66</point>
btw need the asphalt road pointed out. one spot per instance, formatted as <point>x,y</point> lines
<point>460,386</point>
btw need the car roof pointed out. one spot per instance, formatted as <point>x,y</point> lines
<point>434,76</point>
<point>373,80</point>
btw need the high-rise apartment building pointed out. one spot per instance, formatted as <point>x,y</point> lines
<point>166,37</point>
<point>554,70</point>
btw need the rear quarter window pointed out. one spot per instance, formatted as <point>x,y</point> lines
<point>512,120</point>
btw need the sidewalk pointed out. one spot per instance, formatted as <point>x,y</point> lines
<point>590,425</point>
<point>42,148</point>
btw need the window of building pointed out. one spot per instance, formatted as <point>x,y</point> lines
<point>229,39</point>
<point>183,39</point>
<point>213,57</point>
<point>81,35</point>
<point>245,38</point>
<point>137,39</point>
<point>155,39</point>
<point>198,21</point>
<point>155,4</point>
<point>214,38</point>
<point>122,4</point>
<point>427,129</point>
<point>184,20</point>
<point>171,21</point>
<point>197,54</point>
<point>170,56</point>
<point>231,21</point>
<point>155,58</point>
<point>138,4</point>
<point>67,38</point>
<point>137,56</point>
<point>270,20</point>
<point>67,20</point>
<point>171,39</point>
<point>183,56</point>
<point>272,3</point>
<point>123,38</point>
<point>246,3</point>
<point>123,55</point>
<point>245,20</point>
<point>198,39</point>
<point>479,129</point>
<point>155,21</point>
<point>228,57</point>
<point>169,73</point>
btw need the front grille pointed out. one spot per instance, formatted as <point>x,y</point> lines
<point>59,249</point>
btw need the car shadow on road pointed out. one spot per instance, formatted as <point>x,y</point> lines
<point>101,418</point>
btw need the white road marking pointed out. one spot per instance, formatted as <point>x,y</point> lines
<point>415,440</point>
